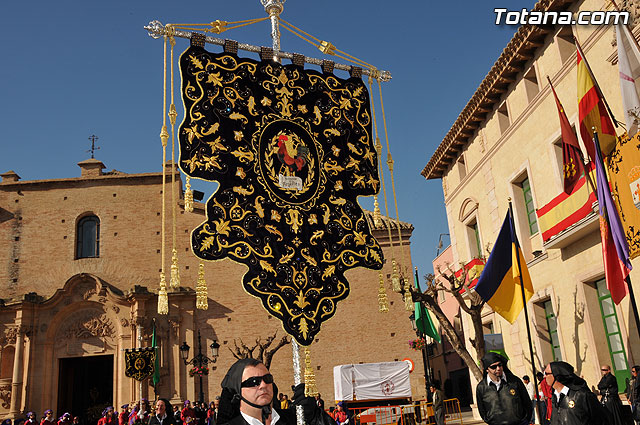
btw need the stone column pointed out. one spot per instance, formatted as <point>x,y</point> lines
<point>16,382</point>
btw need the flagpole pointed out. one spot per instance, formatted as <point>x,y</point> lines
<point>627,279</point>
<point>595,82</point>
<point>425,353</point>
<point>634,306</point>
<point>627,25</point>
<point>524,304</point>
<point>587,176</point>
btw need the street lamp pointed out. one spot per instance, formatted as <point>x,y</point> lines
<point>200,359</point>
<point>425,354</point>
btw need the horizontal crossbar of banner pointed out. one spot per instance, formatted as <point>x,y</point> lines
<point>157,30</point>
<point>135,350</point>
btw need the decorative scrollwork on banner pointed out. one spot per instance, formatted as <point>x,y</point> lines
<point>292,151</point>
<point>139,363</point>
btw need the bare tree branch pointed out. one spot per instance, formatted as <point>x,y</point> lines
<point>470,302</point>
<point>263,353</point>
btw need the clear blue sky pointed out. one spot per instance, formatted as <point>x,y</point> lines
<point>71,69</point>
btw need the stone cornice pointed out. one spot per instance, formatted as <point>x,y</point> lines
<point>111,178</point>
<point>518,51</point>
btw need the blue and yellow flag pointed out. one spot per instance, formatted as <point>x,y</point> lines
<point>499,283</point>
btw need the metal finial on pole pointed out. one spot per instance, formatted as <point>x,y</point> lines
<point>274,9</point>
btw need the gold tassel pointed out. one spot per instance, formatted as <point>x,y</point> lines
<point>310,388</point>
<point>377,220</point>
<point>395,277</point>
<point>188,196</point>
<point>163,298</point>
<point>408,301</point>
<point>383,302</point>
<point>175,273</point>
<point>202,294</point>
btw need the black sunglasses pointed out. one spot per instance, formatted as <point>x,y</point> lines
<point>493,366</point>
<point>254,381</point>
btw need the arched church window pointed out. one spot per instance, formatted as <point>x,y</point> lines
<point>88,237</point>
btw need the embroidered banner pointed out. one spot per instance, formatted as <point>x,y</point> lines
<point>139,363</point>
<point>623,166</point>
<point>292,150</point>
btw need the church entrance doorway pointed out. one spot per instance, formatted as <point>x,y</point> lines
<point>85,387</point>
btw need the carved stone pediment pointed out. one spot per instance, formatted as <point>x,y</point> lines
<point>85,324</point>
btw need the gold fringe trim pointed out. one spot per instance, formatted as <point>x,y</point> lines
<point>377,220</point>
<point>408,301</point>
<point>188,196</point>
<point>395,277</point>
<point>175,272</point>
<point>310,388</point>
<point>383,301</point>
<point>202,294</point>
<point>163,298</point>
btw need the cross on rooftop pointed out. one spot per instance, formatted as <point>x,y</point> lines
<point>94,148</point>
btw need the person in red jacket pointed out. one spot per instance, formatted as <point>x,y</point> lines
<point>545,402</point>
<point>188,415</point>
<point>65,419</point>
<point>123,417</point>
<point>340,415</point>
<point>108,417</point>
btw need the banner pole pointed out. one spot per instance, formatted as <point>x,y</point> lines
<point>139,331</point>
<point>274,8</point>
<point>524,305</point>
<point>156,29</point>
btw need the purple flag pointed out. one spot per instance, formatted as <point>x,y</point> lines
<point>616,254</point>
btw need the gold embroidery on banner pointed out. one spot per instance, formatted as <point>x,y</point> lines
<point>273,146</point>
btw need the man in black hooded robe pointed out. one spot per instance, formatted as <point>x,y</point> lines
<point>247,399</point>
<point>573,402</point>
<point>501,396</point>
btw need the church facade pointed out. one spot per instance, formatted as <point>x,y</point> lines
<point>80,262</point>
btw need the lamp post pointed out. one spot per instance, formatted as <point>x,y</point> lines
<point>200,359</point>
<point>425,354</point>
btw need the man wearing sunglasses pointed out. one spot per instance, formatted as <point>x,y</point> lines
<point>501,396</point>
<point>247,399</point>
<point>572,400</point>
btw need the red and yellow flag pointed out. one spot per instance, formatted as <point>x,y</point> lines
<point>573,168</point>
<point>592,112</point>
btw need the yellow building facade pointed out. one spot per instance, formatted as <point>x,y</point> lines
<point>505,145</point>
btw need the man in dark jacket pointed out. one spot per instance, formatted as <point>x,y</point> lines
<point>438,402</point>
<point>164,413</point>
<point>501,396</point>
<point>572,400</point>
<point>247,399</point>
<point>634,394</point>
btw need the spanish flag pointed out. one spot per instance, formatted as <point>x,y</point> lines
<point>592,112</point>
<point>500,282</point>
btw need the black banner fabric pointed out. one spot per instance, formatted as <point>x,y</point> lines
<point>139,363</point>
<point>292,150</point>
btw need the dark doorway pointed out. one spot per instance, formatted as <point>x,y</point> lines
<point>460,386</point>
<point>85,387</point>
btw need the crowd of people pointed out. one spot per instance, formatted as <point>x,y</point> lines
<point>562,397</point>
<point>248,392</point>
